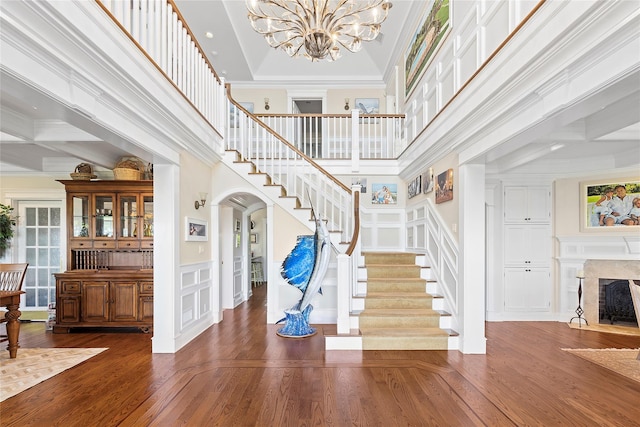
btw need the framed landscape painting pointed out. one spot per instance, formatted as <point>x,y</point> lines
<point>425,42</point>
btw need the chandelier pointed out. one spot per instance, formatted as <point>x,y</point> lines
<point>320,26</point>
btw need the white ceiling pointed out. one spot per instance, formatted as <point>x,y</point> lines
<point>36,135</point>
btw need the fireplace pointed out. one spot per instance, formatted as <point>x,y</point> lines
<point>605,271</point>
<point>616,304</point>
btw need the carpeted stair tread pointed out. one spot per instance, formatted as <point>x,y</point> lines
<point>399,312</point>
<point>404,332</point>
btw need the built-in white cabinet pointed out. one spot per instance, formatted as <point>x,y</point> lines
<point>524,204</point>
<point>527,289</point>
<point>527,244</point>
<point>527,247</point>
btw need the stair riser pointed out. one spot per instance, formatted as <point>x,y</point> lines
<point>392,286</point>
<point>395,271</point>
<point>399,322</point>
<point>395,343</point>
<point>406,259</point>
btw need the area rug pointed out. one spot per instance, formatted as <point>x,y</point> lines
<point>34,365</point>
<point>620,360</point>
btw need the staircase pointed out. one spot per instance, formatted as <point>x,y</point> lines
<point>398,312</point>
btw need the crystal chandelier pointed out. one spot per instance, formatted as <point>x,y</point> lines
<point>320,26</point>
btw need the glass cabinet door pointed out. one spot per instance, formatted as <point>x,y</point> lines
<point>80,215</point>
<point>128,208</point>
<point>147,221</point>
<point>104,215</point>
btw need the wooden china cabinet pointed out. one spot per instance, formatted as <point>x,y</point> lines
<point>109,277</point>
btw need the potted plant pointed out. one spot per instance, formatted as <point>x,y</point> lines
<point>7,222</point>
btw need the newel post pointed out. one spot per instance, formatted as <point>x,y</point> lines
<point>344,293</point>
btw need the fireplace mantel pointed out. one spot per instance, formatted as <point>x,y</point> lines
<point>618,253</point>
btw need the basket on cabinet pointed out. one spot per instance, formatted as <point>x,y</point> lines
<point>128,169</point>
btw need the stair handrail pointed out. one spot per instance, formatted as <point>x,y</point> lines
<point>161,33</point>
<point>242,125</point>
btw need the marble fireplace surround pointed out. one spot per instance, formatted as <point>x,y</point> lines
<point>600,256</point>
<point>594,270</point>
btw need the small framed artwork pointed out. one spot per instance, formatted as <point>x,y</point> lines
<point>384,194</point>
<point>196,230</point>
<point>368,106</point>
<point>254,237</point>
<point>237,225</point>
<point>415,187</point>
<point>362,182</point>
<point>235,113</point>
<point>427,181</point>
<point>444,186</point>
<point>612,206</point>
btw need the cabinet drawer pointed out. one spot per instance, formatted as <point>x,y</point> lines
<point>128,245</point>
<point>104,244</point>
<point>70,287</point>
<point>146,287</point>
<point>80,244</point>
<point>147,244</point>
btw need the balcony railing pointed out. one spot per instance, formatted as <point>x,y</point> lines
<point>161,33</point>
<point>291,168</point>
<point>331,136</point>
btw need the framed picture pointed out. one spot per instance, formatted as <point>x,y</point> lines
<point>415,187</point>
<point>254,237</point>
<point>607,205</point>
<point>427,181</point>
<point>362,182</point>
<point>444,186</point>
<point>368,106</point>
<point>426,41</point>
<point>384,194</point>
<point>236,227</point>
<point>196,230</point>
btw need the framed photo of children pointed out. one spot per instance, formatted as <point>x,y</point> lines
<point>384,194</point>
<point>610,205</point>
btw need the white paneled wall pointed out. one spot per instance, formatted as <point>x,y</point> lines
<point>477,31</point>
<point>195,300</point>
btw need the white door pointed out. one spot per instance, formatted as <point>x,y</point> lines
<point>40,243</point>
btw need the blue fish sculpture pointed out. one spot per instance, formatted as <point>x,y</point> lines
<point>304,268</point>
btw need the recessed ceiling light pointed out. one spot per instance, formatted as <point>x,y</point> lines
<point>214,52</point>
<point>224,72</point>
<point>208,35</point>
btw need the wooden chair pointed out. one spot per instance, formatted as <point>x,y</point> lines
<point>11,279</point>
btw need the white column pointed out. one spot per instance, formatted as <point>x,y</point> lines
<point>471,307</point>
<point>166,258</point>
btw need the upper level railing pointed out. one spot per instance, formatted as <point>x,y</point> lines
<point>331,136</point>
<point>289,167</point>
<point>161,33</point>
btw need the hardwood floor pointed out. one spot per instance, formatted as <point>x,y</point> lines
<point>240,373</point>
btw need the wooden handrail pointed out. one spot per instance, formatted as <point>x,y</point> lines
<point>284,141</point>
<point>356,223</point>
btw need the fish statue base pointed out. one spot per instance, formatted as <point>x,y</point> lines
<point>297,324</point>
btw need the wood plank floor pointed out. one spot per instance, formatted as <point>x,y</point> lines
<point>240,373</point>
